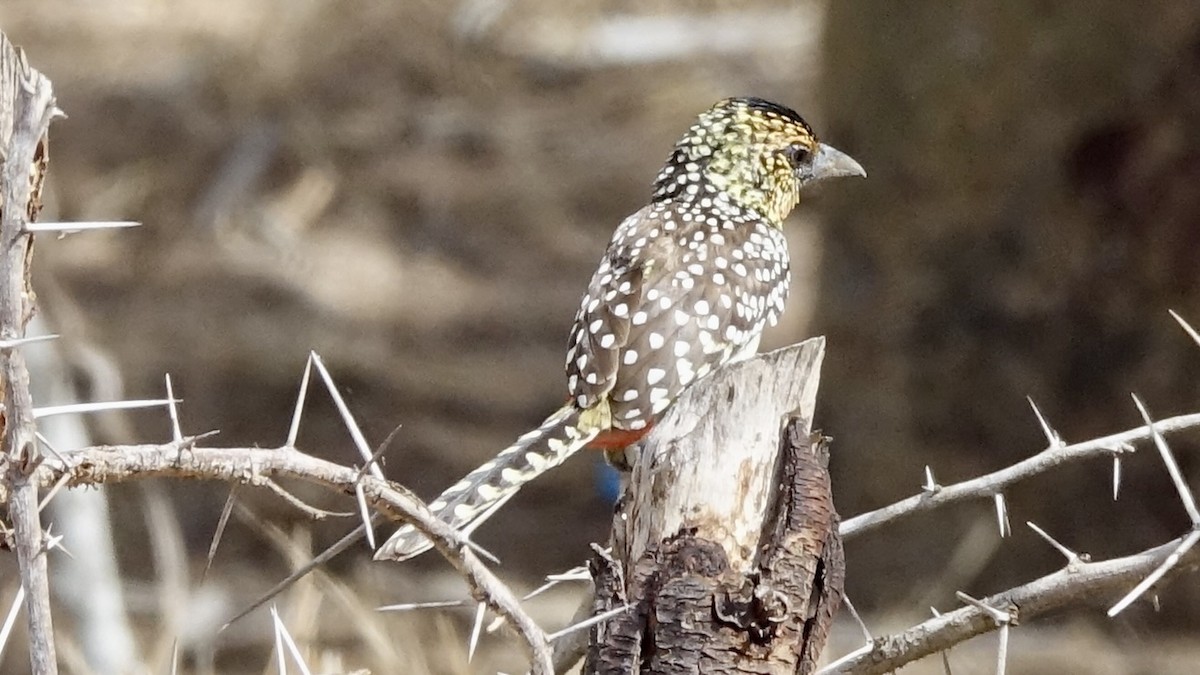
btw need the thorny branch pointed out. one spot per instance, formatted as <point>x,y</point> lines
<point>255,466</point>
<point>989,485</point>
<point>1080,582</point>
<point>26,109</point>
<point>1075,585</point>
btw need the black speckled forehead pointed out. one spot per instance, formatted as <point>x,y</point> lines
<point>768,108</point>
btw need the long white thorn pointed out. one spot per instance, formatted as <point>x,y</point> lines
<point>53,451</point>
<point>1186,326</point>
<point>1072,557</point>
<point>360,441</point>
<point>588,623</point>
<point>475,630</point>
<point>11,618</point>
<point>102,406</point>
<point>173,412</point>
<point>574,574</point>
<point>1002,649</point>
<point>1116,483</point>
<point>1002,515</point>
<point>365,513</point>
<point>1181,486</point>
<point>945,652</point>
<point>80,226</point>
<point>28,340</point>
<point>294,429</point>
<point>281,631</point>
<point>835,666</point>
<point>1052,437</point>
<point>930,485</point>
<point>280,654</point>
<point>1000,616</point>
<point>1157,574</point>
<point>862,625</point>
<point>410,606</point>
<point>54,490</point>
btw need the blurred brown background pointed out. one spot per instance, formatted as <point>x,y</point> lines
<point>419,191</point>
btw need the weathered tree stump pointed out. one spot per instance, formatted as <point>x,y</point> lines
<point>725,546</point>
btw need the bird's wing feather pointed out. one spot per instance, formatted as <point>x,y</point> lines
<point>669,303</point>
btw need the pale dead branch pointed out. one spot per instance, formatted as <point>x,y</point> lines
<point>26,110</point>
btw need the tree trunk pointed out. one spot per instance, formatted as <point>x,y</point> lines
<point>725,546</point>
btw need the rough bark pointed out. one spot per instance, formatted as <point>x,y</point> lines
<point>725,547</point>
<point>26,108</point>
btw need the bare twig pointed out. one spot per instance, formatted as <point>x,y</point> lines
<point>989,485</point>
<point>1074,586</point>
<point>1189,505</point>
<point>27,105</point>
<point>107,464</point>
<point>1080,583</point>
<point>300,505</point>
<point>219,533</point>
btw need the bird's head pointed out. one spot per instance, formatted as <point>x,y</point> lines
<point>753,152</point>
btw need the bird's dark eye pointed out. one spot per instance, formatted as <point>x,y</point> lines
<point>797,154</point>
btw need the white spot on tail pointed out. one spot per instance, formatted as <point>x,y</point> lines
<point>489,493</point>
<point>536,461</point>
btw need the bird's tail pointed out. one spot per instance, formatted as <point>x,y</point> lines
<point>472,500</point>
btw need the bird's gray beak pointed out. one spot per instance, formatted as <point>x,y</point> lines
<point>829,162</point>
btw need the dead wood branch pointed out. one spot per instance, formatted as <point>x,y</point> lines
<point>26,108</point>
<point>115,464</point>
<point>1073,587</point>
<point>1080,583</point>
<point>989,485</point>
<point>673,465</point>
<point>725,548</point>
